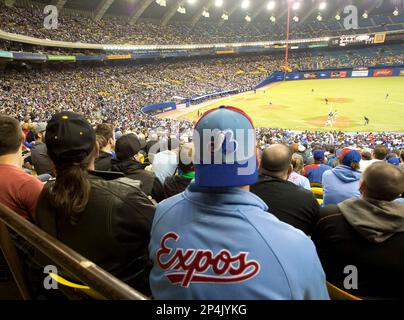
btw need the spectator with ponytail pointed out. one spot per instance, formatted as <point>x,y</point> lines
<point>342,182</point>
<point>102,215</point>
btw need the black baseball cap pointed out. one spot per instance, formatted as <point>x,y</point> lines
<point>127,146</point>
<point>69,138</point>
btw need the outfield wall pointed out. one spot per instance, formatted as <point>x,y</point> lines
<point>382,71</point>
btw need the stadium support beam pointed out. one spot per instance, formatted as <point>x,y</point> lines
<point>309,14</point>
<point>9,3</point>
<point>232,10</point>
<point>171,12</point>
<point>59,4</point>
<point>102,8</point>
<point>376,4</point>
<point>142,8</point>
<point>259,10</point>
<point>198,15</point>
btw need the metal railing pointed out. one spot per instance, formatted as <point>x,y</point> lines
<point>106,285</point>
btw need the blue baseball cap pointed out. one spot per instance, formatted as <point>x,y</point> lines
<point>225,149</point>
<point>349,155</point>
<point>318,155</point>
<point>394,161</point>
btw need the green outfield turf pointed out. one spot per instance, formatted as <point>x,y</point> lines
<point>295,106</point>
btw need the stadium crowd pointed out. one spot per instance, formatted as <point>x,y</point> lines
<point>135,194</point>
<point>122,210</point>
<point>79,28</point>
<point>115,92</point>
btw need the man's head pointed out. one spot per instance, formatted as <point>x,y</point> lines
<point>225,149</point>
<point>380,152</point>
<point>70,139</point>
<point>186,163</point>
<point>318,156</point>
<point>382,181</point>
<point>127,147</point>
<point>11,136</point>
<point>107,131</point>
<point>276,161</point>
<point>39,132</point>
<point>350,157</point>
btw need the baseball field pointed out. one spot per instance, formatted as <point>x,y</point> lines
<point>301,105</point>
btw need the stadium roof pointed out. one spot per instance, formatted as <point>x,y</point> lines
<point>235,9</point>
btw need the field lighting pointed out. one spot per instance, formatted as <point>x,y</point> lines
<point>319,17</point>
<point>218,3</point>
<point>245,4</point>
<point>247,18</point>
<point>395,12</point>
<point>191,1</point>
<point>296,6</point>
<point>181,10</point>
<point>338,17</point>
<point>365,15</point>
<point>271,5</point>
<point>205,13</point>
<point>296,19</point>
<point>322,5</point>
<point>225,17</point>
<point>161,3</point>
<point>273,19</point>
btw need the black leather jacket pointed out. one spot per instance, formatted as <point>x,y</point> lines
<point>113,231</point>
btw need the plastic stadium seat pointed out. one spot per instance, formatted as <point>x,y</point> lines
<point>339,294</point>
<point>318,192</point>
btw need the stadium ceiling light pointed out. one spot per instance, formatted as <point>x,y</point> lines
<point>225,16</point>
<point>296,19</point>
<point>271,5</point>
<point>296,6</point>
<point>396,12</point>
<point>245,4</point>
<point>322,5</point>
<point>319,17</point>
<point>338,17</point>
<point>161,3</point>
<point>218,3</point>
<point>273,19</point>
<point>181,10</point>
<point>205,13</point>
<point>365,15</point>
<point>247,18</point>
<point>191,1</point>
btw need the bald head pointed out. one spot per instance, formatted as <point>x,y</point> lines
<point>276,161</point>
<point>382,181</point>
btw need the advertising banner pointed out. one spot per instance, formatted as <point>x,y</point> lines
<point>6,54</point>
<point>360,73</point>
<point>119,56</point>
<point>61,58</point>
<point>339,74</point>
<point>402,73</point>
<point>380,38</point>
<point>89,58</point>
<point>29,56</point>
<point>311,75</point>
<point>293,76</point>
<point>383,73</point>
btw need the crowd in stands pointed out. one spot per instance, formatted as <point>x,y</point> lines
<point>163,213</point>
<point>115,93</point>
<point>117,30</point>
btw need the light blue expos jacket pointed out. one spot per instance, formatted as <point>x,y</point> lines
<point>340,184</point>
<point>222,244</point>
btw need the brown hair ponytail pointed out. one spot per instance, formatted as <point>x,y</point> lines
<point>71,191</point>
